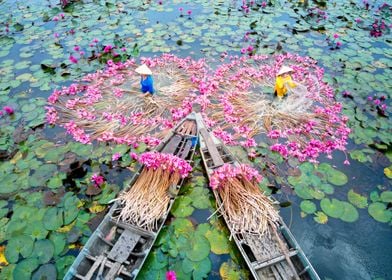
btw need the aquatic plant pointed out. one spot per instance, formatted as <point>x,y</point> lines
<point>244,205</point>
<point>106,106</point>
<point>146,202</point>
<point>306,124</point>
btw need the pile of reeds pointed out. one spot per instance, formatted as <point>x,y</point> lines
<point>246,208</point>
<point>148,199</point>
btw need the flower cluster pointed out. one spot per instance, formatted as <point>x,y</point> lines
<point>171,275</point>
<point>228,171</point>
<point>379,102</point>
<point>97,179</point>
<point>168,162</point>
<point>333,41</point>
<point>8,110</point>
<point>378,28</point>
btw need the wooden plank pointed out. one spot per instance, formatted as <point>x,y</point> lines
<point>94,267</point>
<point>213,151</point>
<point>184,153</point>
<point>260,265</point>
<point>113,272</point>
<point>172,145</point>
<point>124,246</point>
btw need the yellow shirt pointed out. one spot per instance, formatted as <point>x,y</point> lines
<point>280,85</point>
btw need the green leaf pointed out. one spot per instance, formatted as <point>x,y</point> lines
<point>334,208</point>
<point>36,230</point>
<point>22,244</point>
<point>388,171</point>
<point>63,265</point>
<point>229,271</point>
<point>380,212</point>
<point>219,241</point>
<point>386,196</point>
<point>181,207</point>
<point>24,269</point>
<point>200,248</point>
<point>308,207</point>
<point>43,251</point>
<point>320,217</point>
<point>182,226</point>
<point>59,242</point>
<point>46,271</point>
<point>199,269</point>
<point>53,218</point>
<point>357,199</point>
<point>350,213</point>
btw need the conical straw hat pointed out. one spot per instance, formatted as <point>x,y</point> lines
<point>284,69</point>
<point>143,70</point>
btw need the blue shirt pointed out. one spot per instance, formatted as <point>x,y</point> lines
<point>147,84</point>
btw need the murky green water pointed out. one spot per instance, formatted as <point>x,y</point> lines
<point>44,173</point>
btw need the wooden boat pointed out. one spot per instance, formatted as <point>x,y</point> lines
<point>276,256</point>
<point>122,255</point>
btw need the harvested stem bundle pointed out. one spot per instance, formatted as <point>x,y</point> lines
<point>246,208</point>
<point>148,199</point>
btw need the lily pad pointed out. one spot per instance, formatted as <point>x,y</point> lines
<point>333,208</point>
<point>229,271</point>
<point>199,269</point>
<point>22,245</point>
<point>309,207</point>
<point>46,271</point>
<point>380,212</point>
<point>350,213</point>
<point>388,171</point>
<point>24,269</point>
<point>181,207</point>
<point>53,218</point>
<point>334,176</point>
<point>62,265</point>
<point>200,248</point>
<point>386,196</point>
<point>320,217</point>
<point>182,226</point>
<point>219,242</point>
<point>43,251</point>
<point>59,242</point>
<point>357,199</point>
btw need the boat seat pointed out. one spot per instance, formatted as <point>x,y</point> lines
<point>214,153</point>
<point>124,246</point>
<point>185,151</point>
<point>172,145</point>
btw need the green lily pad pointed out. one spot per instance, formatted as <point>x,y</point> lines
<point>3,208</point>
<point>22,244</point>
<point>357,199</point>
<point>219,241</point>
<point>46,271</point>
<point>43,251</point>
<point>309,207</point>
<point>53,218</point>
<point>24,269</point>
<point>36,230</point>
<point>304,192</point>
<point>59,242</point>
<point>229,271</point>
<point>386,196</point>
<point>350,213</point>
<point>200,197</point>
<point>182,226</point>
<point>333,208</point>
<point>199,269</point>
<point>181,207</point>
<point>63,264</point>
<point>200,248</point>
<point>380,212</point>
<point>320,217</point>
<point>334,176</point>
<point>388,171</point>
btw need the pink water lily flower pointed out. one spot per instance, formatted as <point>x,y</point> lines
<point>171,275</point>
<point>8,110</point>
<point>97,179</point>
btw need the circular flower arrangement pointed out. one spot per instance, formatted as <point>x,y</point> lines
<point>240,107</point>
<point>108,105</point>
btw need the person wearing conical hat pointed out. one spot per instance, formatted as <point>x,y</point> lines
<point>146,81</point>
<point>283,80</point>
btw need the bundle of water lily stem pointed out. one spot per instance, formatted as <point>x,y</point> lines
<point>246,208</point>
<point>148,199</point>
